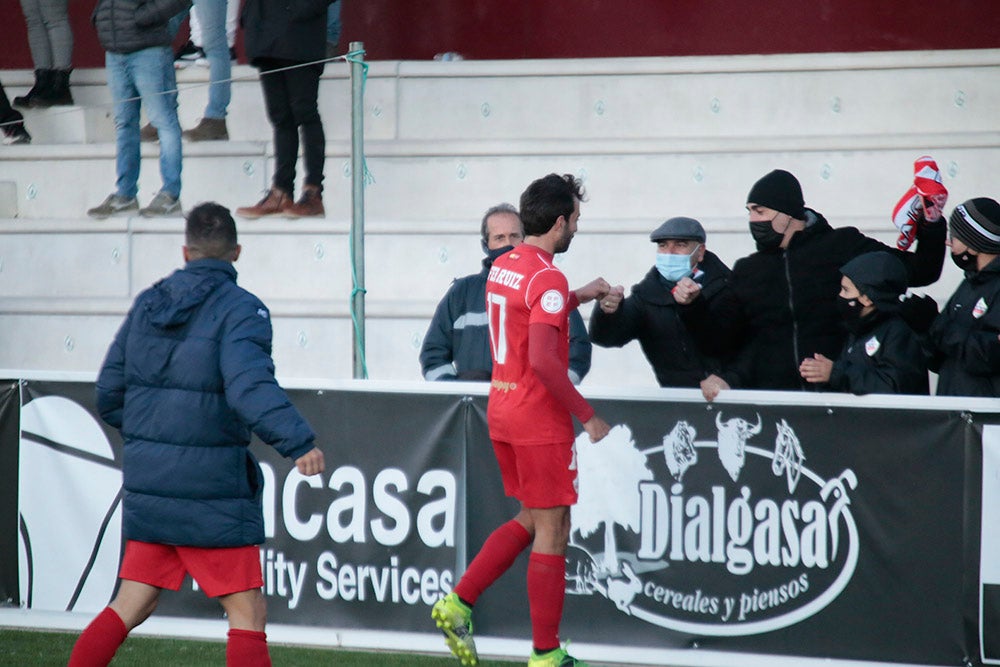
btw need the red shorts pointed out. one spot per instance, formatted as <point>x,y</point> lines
<point>218,571</point>
<point>540,476</point>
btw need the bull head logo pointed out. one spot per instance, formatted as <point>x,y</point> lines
<point>733,436</point>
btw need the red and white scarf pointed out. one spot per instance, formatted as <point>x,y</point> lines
<point>924,200</point>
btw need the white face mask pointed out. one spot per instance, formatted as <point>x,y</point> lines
<point>675,267</point>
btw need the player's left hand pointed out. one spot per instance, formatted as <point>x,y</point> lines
<point>311,463</point>
<point>596,428</point>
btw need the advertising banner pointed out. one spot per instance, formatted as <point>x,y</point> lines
<point>771,529</point>
<point>989,561</point>
<point>69,500</point>
<point>9,405</point>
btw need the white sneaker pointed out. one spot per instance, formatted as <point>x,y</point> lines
<point>162,206</point>
<point>114,205</point>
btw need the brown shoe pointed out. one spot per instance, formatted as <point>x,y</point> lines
<point>276,202</point>
<point>208,129</point>
<point>309,205</point>
<point>148,133</point>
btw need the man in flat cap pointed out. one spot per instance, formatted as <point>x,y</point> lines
<point>966,335</point>
<point>667,312</point>
<point>781,307</point>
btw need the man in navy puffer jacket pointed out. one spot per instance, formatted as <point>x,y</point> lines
<point>187,379</point>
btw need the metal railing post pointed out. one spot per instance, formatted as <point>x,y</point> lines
<point>358,207</point>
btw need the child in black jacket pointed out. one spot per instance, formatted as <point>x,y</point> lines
<point>882,354</point>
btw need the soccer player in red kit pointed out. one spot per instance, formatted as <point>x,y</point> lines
<point>531,406</point>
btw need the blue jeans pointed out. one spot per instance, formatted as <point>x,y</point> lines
<point>333,22</point>
<point>212,18</point>
<point>147,74</point>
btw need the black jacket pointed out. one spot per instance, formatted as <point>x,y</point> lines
<point>292,30</point>
<point>781,305</point>
<point>966,347</point>
<point>673,337</point>
<point>127,26</point>
<point>883,357</point>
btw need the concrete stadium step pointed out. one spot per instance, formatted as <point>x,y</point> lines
<point>867,94</point>
<point>91,119</point>
<point>737,96</point>
<point>427,181</point>
<point>69,125</point>
<point>63,181</point>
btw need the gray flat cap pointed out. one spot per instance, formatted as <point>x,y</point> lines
<point>679,228</point>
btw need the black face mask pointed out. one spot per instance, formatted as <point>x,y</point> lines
<point>850,310</point>
<point>964,261</point>
<point>765,236</point>
<point>491,255</point>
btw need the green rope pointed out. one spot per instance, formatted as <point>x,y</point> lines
<point>354,57</point>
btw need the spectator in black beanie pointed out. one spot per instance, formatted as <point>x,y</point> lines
<point>781,307</point>
<point>882,354</point>
<point>965,337</point>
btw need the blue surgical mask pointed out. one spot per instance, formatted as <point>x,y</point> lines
<point>674,267</point>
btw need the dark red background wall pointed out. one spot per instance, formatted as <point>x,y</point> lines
<point>492,29</point>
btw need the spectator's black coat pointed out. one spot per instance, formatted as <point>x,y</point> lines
<point>293,30</point>
<point>781,305</point>
<point>966,347</point>
<point>883,357</point>
<point>671,335</point>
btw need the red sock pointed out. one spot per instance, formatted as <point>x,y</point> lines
<point>98,643</point>
<point>546,592</point>
<point>247,648</point>
<point>499,552</point>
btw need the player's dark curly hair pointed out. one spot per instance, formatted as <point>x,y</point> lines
<point>210,232</point>
<point>548,198</point>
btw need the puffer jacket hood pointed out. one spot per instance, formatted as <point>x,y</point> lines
<point>173,301</point>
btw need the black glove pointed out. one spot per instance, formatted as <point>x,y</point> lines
<point>919,312</point>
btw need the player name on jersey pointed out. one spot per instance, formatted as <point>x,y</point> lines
<point>505,277</point>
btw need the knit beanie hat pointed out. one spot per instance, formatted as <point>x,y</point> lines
<point>879,276</point>
<point>976,223</point>
<point>781,191</point>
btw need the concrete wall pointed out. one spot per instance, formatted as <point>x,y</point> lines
<point>651,137</point>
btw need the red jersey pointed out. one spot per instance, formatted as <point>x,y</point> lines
<point>524,287</point>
